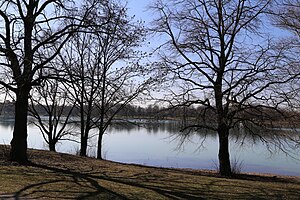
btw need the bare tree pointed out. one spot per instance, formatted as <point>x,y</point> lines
<point>287,16</point>
<point>106,74</point>
<point>52,109</point>
<point>28,28</point>
<point>222,61</point>
<point>122,75</point>
<point>79,58</point>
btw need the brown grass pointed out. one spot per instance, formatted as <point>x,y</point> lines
<point>62,176</point>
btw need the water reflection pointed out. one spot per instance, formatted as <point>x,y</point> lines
<point>9,125</point>
<point>156,143</point>
<point>250,135</point>
<point>152,126</point>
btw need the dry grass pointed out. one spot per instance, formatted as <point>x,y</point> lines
<point>63,176</point>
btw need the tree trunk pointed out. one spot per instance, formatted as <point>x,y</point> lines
<point>102,114</point>
<point>83,131</point>
<point>99,150</point>
<point>224,158</point>
<point>83,145</point>
<point>52,145</point>
<point>18,143</point>
<point>84,127</point>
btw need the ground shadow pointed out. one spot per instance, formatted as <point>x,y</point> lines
<point>97,182</point>
<point>97,191</point>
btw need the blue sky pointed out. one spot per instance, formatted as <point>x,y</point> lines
<point>139,9</point>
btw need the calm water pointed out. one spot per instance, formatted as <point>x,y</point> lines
<point>156,144</point>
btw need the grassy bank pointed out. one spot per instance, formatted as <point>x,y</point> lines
<point>63,176</point>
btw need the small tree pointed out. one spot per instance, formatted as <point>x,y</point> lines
<point>52,109</point>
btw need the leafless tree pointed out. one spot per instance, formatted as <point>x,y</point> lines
<point>286,16</point>
<point>27,28</point>
<point>122,78</point>
<point>104,70</point>
<point>221,59</point>
<point>52,109</point>
<point>78,59</point>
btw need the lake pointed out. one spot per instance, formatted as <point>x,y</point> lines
<point>157,144</point>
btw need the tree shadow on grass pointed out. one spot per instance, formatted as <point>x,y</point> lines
<point>87,187</point>
<point>66,183</point>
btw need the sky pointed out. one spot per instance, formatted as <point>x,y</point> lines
<point>139,9</point>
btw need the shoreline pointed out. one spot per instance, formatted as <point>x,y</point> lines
<point>192,170</point>
<point>59,175</point>
<point>201,171</point>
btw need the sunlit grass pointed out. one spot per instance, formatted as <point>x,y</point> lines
<point>62,176</point>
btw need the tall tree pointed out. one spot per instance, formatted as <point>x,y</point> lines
<point>222,61</point>
<point>121,73</point>
<point>103,78</point>
<point>79,58</point>
<point>27,29</point>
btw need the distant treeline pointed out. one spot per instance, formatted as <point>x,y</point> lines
<point>183,113</point>
<point>129,111</point>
